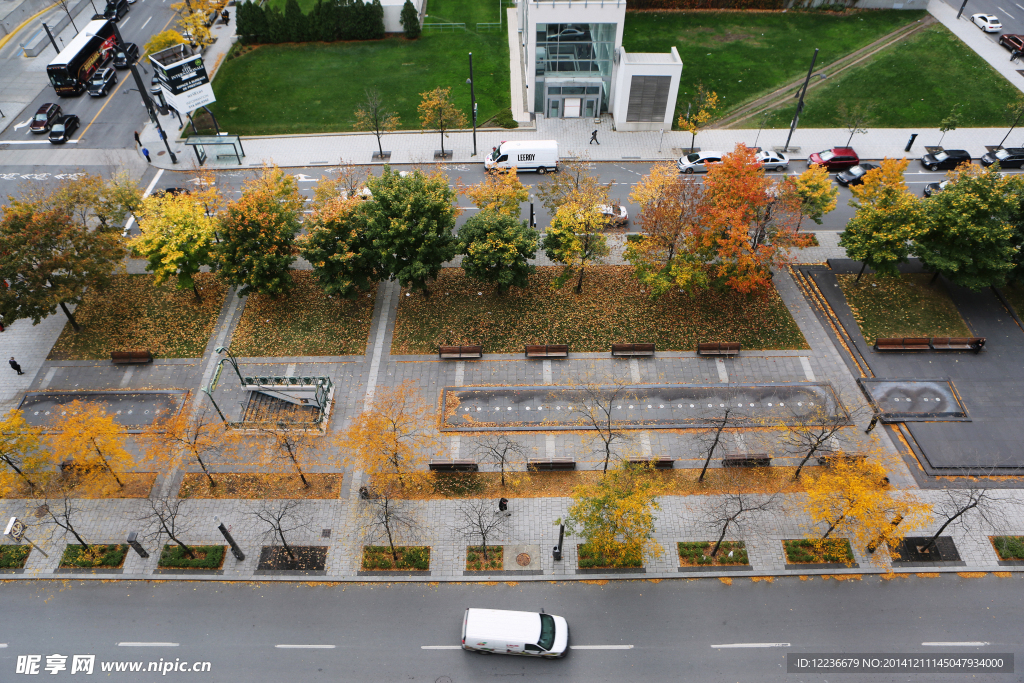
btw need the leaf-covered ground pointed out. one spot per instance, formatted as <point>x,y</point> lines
<point>1015,295</point>
<point>613,308</point>
<point>904,306</point>
<point>306,322</point>
<point>133,313</point>
<point>256,485</point>
<point>136,485</point>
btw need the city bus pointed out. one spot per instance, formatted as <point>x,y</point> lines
<point>71,70</point>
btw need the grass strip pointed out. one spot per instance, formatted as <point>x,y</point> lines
<point>906,306</point>
<point>379,557</point>
<point>206,557</point>
<point>13,556</point>
<point>698,553</point>
<point>804,551</point>
<point>107,556</point>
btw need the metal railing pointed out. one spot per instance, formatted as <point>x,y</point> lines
<point>487,27</point>
<point>451,26</point>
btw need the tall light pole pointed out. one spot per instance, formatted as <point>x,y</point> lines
<point>800,104</point>
<point>472,97</point>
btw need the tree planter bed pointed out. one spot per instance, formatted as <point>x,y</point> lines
<point>310,560</point>
<point>13,558</point>
<point>589,562</point>
<point>804,554</point>
<point>1009,549</point>
<point>209,560</point>
<point>412,561</point>
<point>110,562</point>
<point>475,559</point>
<point>944,554</point>
<point>694,556</point>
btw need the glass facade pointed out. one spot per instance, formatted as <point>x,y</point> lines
<point>573,68</point>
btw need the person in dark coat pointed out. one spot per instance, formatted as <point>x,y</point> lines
<point>17,369</point>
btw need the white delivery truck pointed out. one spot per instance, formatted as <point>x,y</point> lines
<point>506,632</point>
<point>525,155</point>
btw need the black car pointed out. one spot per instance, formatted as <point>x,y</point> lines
<point>62,131</point>
<point>855,175</point>
<point>935,188</point>
<point>115,9</point>
<point>126,55</point>
<point>945,160</point>
<point>1011,157</point>
<point>102,81</point>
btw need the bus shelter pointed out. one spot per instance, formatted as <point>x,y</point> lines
<point>199,143</point>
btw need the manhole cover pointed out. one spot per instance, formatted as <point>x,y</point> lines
<point>523,559</point>
<point>443,679</point>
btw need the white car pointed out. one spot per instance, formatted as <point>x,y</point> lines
<point>773,161</point>
<point>989,23</point>
<point>615,215</point>
<point>698,162</point>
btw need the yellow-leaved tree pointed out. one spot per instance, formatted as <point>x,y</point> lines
<point>501,192</point>
<point>162,41</point>
<point>393,440</point>
<point>438,112</point>
<point>23,459</point>
<point>193,22</point>
<point>616,516</point>
<point>183,439</point>
<point>88,437</point>
<point>698,111</point>
<point>574,239</point>
<point>851,498</point>
<point>815,193</point>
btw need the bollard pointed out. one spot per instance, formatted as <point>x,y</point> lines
<point>910,142</point>
<point>235,550</point>
<point>133,541</point>
<point>556,552</point>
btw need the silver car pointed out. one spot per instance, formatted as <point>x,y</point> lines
<point>698,162</point>
<point>773,161</point>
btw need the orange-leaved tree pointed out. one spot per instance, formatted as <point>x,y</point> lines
<point>438,112</point>
<point>23,457</point>
<point>87,435</point>
<point>182,439</point>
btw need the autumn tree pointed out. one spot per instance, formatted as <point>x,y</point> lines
<point>815,193</point>
<point>121,197</point>
<point>814,432</point>
<point>374,116</point>
<point>951,121</point>
<point>192,22</point>
<point>575,240</point>
<point>698,111</point>
<point>22,454</point>
<point>615,514</point>
<point>1013,114</point>
<point>854,118</point>
<point>178,235</point>
<point>888,218</point>
<point>162,41</point>
<point>279,518</point>
<point>712,439</point>
<point>393,439</point>
<point>968,237</point>
<point>497,248</point>
<point>259,230</point>
<point>87,435</point>
<point>410,222</point>
<point>739,505</point>
<point>475,519</point>
<point>181,439</point>
<point>500,191</point>
<point>292,446</point>
<point>573,182</point>
<point>501,451</point>
<point>850,499</point>
<point>438,112</point>
<point>166,515</point>
<point>595,409</point>
<point>385,515</point>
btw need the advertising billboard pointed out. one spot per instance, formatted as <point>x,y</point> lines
<point>183,78</point>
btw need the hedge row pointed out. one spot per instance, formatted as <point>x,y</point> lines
<point>175,556</point>
<point>328,21</point>
<point>94,555</point>
<point>706,4</point>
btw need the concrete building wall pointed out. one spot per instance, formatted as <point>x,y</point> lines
<point>644,64</point>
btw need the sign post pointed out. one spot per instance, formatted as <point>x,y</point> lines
<point>183,78</point>
<point>16,532</point>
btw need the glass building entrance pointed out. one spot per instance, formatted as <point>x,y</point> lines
<point>573,69</point>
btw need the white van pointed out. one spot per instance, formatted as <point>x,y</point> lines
<point>525,155</point>
<point>515,633</point>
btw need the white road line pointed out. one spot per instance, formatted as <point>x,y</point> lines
<point>440,647</point>
<point>600,647</point>
<point>1018,5</point>
<point>808,372</point>
<point>964,643</point>
<point>734,645</point>
<point>131,219</point>
<point>32,142</point>
<point>3,644</point>
<point>144,23</point>
<point>147,645</point>
<point>306,647</point>
<point>1005,12</point>
<point>123,22</point>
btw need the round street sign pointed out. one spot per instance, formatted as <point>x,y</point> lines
<point>15,529</point>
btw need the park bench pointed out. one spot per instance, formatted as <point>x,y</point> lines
<point>958,343</point>
<point>460,352</point>
<point>127,357</point>
<point>718,349</point>
<point>903,344</point>
<point>551,465</point>
<point>659,463</point>
<point>628,350</point>
<point>747,460</point>
<point>453,466</point>
<point>547,351</point>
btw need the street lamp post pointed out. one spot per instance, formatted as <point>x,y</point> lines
<point>800,104</point>
<point>472,97</point>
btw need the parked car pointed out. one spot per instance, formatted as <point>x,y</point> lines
<point>989,23</point>
<point>116,9</point>
<point>46,116</point>
<point>1012,41</point>
<point>126,55</point>
<point>172,191</point>
<point>945,160</point>
<point>855,175</point>
<point>773,161</point>
<point>935,188</point>
<point>835,159</point>
<point>1010,157</point>
<point>698,162</point>
<point>102,81</point>
<point>62,131</point>
<point>615,215</point>
<point>499,631</point>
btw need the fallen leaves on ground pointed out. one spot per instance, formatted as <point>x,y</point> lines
<point>905,306</point>
<point>255,485</point>
<point>136,485</point>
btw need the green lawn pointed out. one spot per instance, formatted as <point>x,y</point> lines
<point>742,55</point>
<point>915,83</point>
<point>906,306</point>
<point>316,87</point>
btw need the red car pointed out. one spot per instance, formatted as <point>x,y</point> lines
<point>1012,41</point>
<point>47,115</point>
<point>835,159</point>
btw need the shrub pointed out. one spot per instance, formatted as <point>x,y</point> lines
<point>409,557</point>
<point>805,551</point>
<point>94,556</point>
<point>1009,547</point>
<point>207,557</point>
<point>503,119</point>
<point>13,556</point>
<point>697,552</point>
<point>475,558</point>
<point>589,559</point>
<point>411,21</point>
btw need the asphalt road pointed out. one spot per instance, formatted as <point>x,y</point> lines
<point>698,630</point>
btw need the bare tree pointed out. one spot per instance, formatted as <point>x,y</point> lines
<point>813,433</point>
<point>374,116</point>
<point>164,515</point>
<point>387,516</point>
<point>855,119</point>
<point>61,512</point>
<point>596,410</point>
<point>476,518</point>
<point>291,444</point>
<point>502,452</point>
<point>737,507</point>
<point>281,517</point>
<point>966,506</point>
<point>712,439</point>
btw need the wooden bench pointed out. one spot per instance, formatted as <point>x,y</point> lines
<point>903,344</point>
<point>718,349</point>
<point>125,357</point>
<point>453,466</point>
<point>551,465</point>
<point>829,460</point>
<point>747,460</point>
<point>460,352</point>
<point>659,463</point>
<point>958,343</point>
<point>547,351</point>
<point>628,350</point>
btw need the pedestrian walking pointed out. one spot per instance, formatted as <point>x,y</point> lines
<point>503,507</point>
<point>593,138</point>
<point>1014,55</point>
<point>17,369</point>
<point>138,140</point>
<point>145,153</point>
